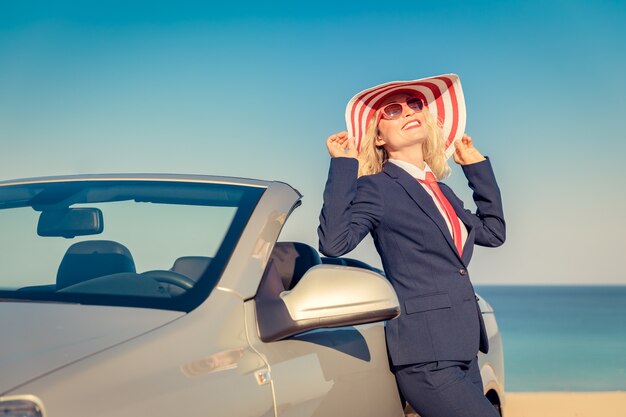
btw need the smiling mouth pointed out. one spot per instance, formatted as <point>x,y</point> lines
<point>413,124</point>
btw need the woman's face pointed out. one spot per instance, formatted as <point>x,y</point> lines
<point>405,131</point>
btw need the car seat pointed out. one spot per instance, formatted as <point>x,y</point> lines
<point>292,260</point>
<point>91,259</point>
<point>191,266</point>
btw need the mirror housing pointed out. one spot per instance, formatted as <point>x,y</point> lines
<point>70,222</point>
<point>326,296</point>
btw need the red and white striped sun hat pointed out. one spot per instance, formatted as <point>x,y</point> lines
<point>442,94</point>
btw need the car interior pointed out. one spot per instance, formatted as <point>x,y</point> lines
<point>291,261</point>
<point>93,262</point>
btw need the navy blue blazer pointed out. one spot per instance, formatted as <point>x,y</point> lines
<point>440,318</point>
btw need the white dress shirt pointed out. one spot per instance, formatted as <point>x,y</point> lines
<point>420,174</point>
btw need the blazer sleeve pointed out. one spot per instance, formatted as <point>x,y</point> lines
<point>352,208</point>
<point>488,221</point>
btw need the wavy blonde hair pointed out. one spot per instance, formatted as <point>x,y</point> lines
<point>371,157</point>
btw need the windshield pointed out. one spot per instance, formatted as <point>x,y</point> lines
<point>159,244</point>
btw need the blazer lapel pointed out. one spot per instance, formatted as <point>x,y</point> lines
<point>422,198</point>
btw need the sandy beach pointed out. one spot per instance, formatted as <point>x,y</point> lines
<point>562,404</point>
<point>566,404</point>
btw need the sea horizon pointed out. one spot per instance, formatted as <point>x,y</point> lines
<point>561,337</point>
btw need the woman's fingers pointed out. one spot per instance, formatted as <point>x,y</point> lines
<point>458,152</point>
<point>341,136</point>
<point>465,152</point>
<point>339,144</point>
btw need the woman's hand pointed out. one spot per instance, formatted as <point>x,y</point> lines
<point>465,152</point>
<point>339,145</point>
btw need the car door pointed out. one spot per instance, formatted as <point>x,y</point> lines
<point>329,372</point>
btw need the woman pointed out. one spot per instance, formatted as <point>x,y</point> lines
<point>381,182</point>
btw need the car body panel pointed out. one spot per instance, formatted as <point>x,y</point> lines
<point>492,364</point>
<point>319,372</point>
<point>178,368</point>
<point>41,337</point>
<point>249,259</point>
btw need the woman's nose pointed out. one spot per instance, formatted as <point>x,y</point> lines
<point>407,111</point>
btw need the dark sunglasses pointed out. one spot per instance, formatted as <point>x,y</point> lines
<point>394,110</point>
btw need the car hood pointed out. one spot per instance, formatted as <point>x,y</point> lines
<point>38,338</point>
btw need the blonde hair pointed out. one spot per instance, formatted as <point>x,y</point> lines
<point>371,157</point>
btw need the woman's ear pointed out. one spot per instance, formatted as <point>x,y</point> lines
<point>379,141</point>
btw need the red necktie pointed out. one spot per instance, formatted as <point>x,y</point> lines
<point>431,182</point>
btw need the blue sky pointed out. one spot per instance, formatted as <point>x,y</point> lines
<point>253,89</point>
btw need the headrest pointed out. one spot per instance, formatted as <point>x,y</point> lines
<point>191,266</point>
<point>292,260</point>
<point>91,259</point>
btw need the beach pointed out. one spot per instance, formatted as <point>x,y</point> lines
<point>566,404</point>
<point>562,404</point>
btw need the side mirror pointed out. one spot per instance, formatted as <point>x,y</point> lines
<point>326,296</point>
<point>70,222</point>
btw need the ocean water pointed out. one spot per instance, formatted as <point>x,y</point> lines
<point>561,338</point>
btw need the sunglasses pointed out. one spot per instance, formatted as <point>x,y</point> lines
<point>394,110</point>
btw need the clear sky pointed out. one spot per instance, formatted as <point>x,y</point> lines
<point>253,89</point>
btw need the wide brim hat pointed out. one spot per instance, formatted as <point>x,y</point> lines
<point>442,94</point>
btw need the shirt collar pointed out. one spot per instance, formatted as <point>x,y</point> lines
<point>413,171</point>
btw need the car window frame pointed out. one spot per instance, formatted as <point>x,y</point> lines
<point>186,302</point>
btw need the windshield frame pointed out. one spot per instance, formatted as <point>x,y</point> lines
<point>250,195</point>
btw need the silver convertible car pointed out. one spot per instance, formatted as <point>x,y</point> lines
<point>166,295</point>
